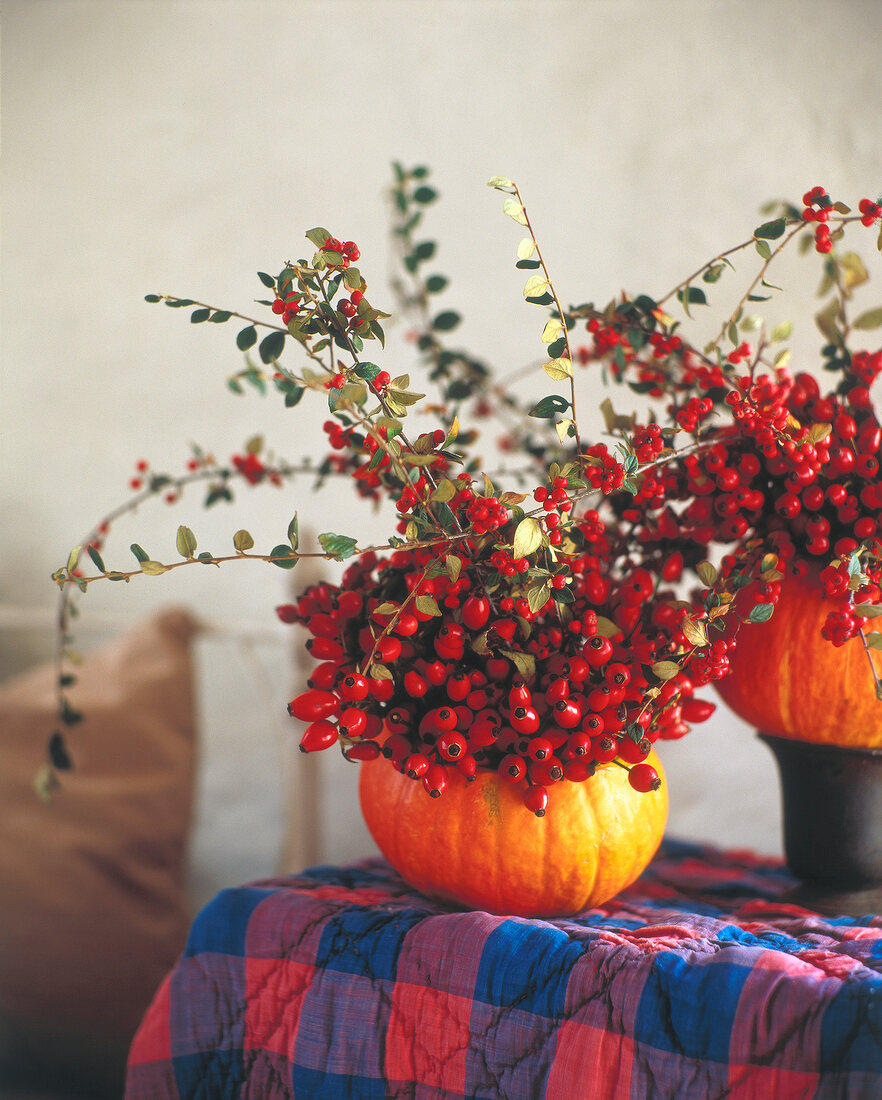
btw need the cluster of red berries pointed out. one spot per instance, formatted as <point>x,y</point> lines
<point>287,307</point>
<point>433,691</point>
<point>347,251</point>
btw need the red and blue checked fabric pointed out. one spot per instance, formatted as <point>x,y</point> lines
<point>697,983</point>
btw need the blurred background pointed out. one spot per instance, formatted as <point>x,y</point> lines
<point>179,146</point>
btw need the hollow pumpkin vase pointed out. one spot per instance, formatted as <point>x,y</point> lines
<point>477,845</point>
<point>815,707</point>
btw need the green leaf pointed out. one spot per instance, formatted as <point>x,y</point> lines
<point>186,542</point>
<point>444,322</point>
<point>537,596</point>
<point>338,547</point>
<point>153,568</point>
<point>693,295</point>
<point>425,250</point>
<point>72,558</point>
<point>267,280</point>
<point>152,297</point>
<point>367,371</point>
<point>96,558</point>
<point>219,316</point>
<point>318,236</point>
<point>707,573</point>
<point>246,338</point>
<point>283,556</point>
<point>548,406</point>
<point>139,552</point>
<point>871,319</point>
<point>294,532</point>
<point>763,249</point>
<point>761,613</point>
<point>199,315</point>
<point>58,754</point>
<point>243,541</point>
<point>712,274</point>
<point>425,194</point>
<point>272,346</point>
<point>435,284</point>
<point>771,231</point>
<point>293,396</point>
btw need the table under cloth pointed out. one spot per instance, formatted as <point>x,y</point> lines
<point>700,981</point>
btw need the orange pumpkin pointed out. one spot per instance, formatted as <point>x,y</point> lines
<point>788,681</point>
<point>478,845</point>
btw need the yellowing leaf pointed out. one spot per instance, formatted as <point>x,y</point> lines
<point>552,330</point>
<point>153,568</point>
<point>665,670</point>
<point>515,211</point>
<point>558,369</point>
<point>499,181</point>
<point>562,427</point>
<point>694,632</point>
<point>871,319</point>
<point>707,573</point>
<point>535,286</point>
<point>527,537</point>
<point>526,248</point>
<point>781,332</point>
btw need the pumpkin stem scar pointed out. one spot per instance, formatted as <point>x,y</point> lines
<point>491,801</point>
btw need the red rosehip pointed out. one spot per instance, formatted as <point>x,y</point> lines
<point>644,778</point>
<point>320,735</point>
<point>313,704</point>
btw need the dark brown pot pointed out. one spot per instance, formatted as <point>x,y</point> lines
<point>832,824</point>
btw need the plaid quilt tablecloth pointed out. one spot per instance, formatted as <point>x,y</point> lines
<point>698,983</point>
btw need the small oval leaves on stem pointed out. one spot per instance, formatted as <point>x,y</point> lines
<point>272,346</point>
<point>199,315</point>
<point>872,318</point>
<point>527,537</point>
<point>694,632</point>
<point>558,369</point>
<point>97,559</point>
<point>59,757</point>
<point>139,552</point>
<point>526,248</point>
<point>186,542</point>
<point>761,613</point>
<point>665,670</point>
<point>267,280</point>
<point>446,321</point>
<point>153,568</point>
<point>246,338</point>
<point>515,211</point>
<point>243,541</point>
<point>338,547</point>
<point>283,556</point>
<point>707,573</point>
<point>535,286</point>
<point>548,406</point>
<point>294,532</point>
<point>771,231</point>
<point>436,283</point>
<point>427,605</point>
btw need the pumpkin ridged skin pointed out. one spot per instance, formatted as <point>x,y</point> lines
<point>478,845</point>
<point>787,680</point>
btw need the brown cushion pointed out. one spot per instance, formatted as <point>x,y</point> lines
<point>93,909</point>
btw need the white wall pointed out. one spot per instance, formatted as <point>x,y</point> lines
<point>181,146</point>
